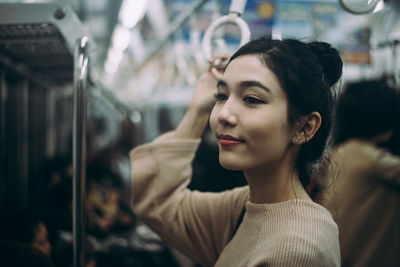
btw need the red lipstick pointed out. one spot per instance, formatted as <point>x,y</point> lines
<point>229,141</point>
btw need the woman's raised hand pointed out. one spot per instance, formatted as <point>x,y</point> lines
<point>201,104</point>
<point>203,98</point>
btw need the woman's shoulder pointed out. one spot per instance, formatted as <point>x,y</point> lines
<point>301,207</point>
<point>308,235</point>
<point>300,216</point>
<point>315,216</point>
<point>310,222</point>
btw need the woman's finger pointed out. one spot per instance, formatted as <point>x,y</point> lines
<point>217,72</point>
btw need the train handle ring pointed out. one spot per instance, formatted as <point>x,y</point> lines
<point>234,17</point>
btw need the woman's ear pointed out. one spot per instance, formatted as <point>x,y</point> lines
<point>307,128</point>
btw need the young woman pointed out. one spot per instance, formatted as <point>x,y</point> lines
<point>271,119</point>
<point>364,194</point>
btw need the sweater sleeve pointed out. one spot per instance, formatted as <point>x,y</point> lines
<point>196,223</point>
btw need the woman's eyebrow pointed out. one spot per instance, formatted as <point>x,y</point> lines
<point>245,84</point>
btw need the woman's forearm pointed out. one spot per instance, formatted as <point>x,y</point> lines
<point>199,109</point>
<point>192,125</point>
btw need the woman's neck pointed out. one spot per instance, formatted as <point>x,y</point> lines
<point>272,185</point>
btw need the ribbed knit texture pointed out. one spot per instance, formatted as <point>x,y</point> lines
<point>201,225</point>
<point>289,233</point>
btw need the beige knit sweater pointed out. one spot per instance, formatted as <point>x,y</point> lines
<point>201,225</point>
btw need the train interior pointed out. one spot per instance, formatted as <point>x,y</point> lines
<point>82,82</point>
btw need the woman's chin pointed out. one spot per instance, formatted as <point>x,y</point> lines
<point>230,165</point>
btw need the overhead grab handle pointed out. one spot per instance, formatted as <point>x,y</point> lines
<point>234,17</point>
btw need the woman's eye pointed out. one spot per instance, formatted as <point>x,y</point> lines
<point>221,97</point>
<point>252,100</point>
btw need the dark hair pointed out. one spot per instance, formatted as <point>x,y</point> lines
<point>306,71</point>
<point>365,109</point>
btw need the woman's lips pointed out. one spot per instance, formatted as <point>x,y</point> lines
<point>228,141</point>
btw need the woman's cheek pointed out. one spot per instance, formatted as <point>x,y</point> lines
<point>213,118</point>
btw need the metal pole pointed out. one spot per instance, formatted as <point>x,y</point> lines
<point>79,152</point>
<point>4,148</point>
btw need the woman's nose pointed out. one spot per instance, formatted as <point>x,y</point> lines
<point>227,114</point>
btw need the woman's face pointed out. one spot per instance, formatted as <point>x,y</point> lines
<point>250,118</point>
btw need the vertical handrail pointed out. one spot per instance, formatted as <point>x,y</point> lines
<point>79,151</point>
<point>4,148</point>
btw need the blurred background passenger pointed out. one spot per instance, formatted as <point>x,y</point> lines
<point>107,211</point>
<point>25,228</point>
<point>15,254</point>
<point>114,236</point>
<point>56,204</point>
<point>364,190</point>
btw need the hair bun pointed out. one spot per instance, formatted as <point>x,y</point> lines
<point>330,60</point>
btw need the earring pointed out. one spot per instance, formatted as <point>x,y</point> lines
<point>298,138</point>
